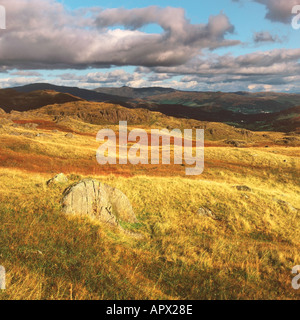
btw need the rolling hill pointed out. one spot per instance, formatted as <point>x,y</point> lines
<point>88,95</point>
<point>254,111</point>
<point>95,113</point>
<point>284,121</point>
<point>246,103</point>
<point>135,93</point>
<point>238,102</point>
<point>11,99</point>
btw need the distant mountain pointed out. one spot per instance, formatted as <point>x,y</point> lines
<point>254,111</point>
<point>85,94</point>
<point>209,102</point>
<point>156,97</point>
<point>13,100</point>
<point>135,93</point>
<point>240,102</point>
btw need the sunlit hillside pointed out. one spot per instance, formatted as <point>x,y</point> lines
<point>241,244</point>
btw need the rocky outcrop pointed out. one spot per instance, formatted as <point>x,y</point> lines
<point>235,143</point>
<point>100,201</point>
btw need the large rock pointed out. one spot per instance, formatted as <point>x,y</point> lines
<point>92,198</point>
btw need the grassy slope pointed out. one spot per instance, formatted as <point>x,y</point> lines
<point>247,253</point>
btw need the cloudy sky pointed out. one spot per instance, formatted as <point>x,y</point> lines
<point>220,45</point>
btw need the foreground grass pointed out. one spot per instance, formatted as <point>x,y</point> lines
<point>246,253</point>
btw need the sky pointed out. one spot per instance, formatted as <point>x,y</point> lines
<point>220,45</point>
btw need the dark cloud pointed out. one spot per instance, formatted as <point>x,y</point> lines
<point>277,10</point>
<point>43,34</point>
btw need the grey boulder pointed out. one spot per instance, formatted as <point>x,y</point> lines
<point>95,199</point>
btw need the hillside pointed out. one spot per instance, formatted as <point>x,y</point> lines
<point>236,109</point>
<point>135,93</point>
<point>238,102</point>
<point>12,100</point>
<point>252,233</point>
<point>286,121</point>
<point>234,102</point>
<point>111,114</point>
<point>283,121</point>
<point>88,95</point>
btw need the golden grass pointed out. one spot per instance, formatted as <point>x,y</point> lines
<point>247,252</point>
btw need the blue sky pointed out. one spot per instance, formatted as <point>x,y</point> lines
<point>249,45</point>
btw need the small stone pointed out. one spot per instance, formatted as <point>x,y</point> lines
<point>285,204</point>
<point>58,179</point>
<point>243,188</point>
<point>205,212</point>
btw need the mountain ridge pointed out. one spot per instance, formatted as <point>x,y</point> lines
<point>275,111</point>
